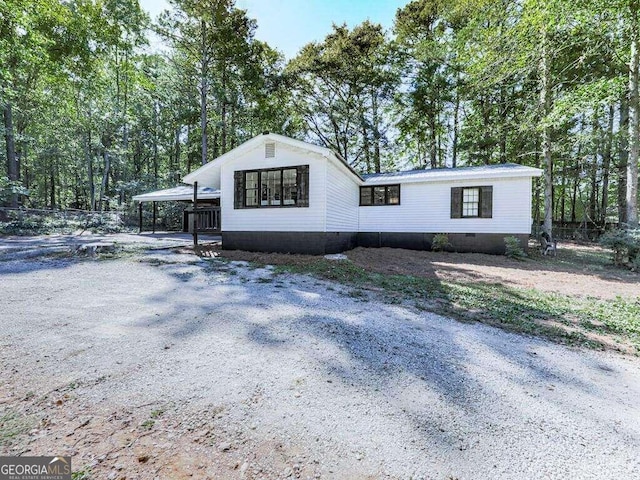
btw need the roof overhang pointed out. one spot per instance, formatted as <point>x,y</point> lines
<point>181,193</point>
<point>454,174</point>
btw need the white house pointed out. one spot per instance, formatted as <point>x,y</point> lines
<point>284,195</point>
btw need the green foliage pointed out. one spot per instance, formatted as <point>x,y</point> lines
<point>84,474</point>
<point>440,242</point>
<point>97,118</point>
<point>625,244</point>
<point>342,87</point>
<point>12,426</point>
<point>23,222</point>
<point>9,188</point>
<point>513,249</point>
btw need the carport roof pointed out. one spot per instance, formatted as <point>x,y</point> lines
<point>176,194</point>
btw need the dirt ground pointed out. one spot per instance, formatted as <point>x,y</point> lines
<point>577,270</point>
<point>162,365</point>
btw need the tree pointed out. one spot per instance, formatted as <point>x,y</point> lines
<point>634,116</point>
<point>341,86</point>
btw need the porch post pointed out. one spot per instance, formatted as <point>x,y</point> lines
<point>140,217</point>
<point>154,217</point>
<point>195,214</point>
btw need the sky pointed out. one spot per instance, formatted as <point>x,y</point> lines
<point>287,25</point>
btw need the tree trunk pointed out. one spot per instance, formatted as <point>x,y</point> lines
<point>188,149</point>
<point>204,87</point>
<point>576,180</point>
<point>175,172</point>
<point>52,191</point>
<point>105,179</point>
<point>433,149</point>
<point>376,131</point>
<point>456,109</point>
<point>606,166</point>
<point>545,104</point>
<point>593,194</point>
<point>125,129</point>
<point>634,120</point>
<point>156,107</point>
<point>366,147</point>
<point>89,162</point>
<point>536,187</point>
<point>12,159</point>
<point>623,158</point>
<point>503,126</point>
<point>563,193</point>
<point>574,198</point>
<point>223,113</point>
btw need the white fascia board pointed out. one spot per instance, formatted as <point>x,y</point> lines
<point>449,177</point>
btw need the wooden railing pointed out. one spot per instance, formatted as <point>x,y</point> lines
<point>207,218</point>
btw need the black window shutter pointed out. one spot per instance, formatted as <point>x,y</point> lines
<point>456,202</point>
<point>303,186</point>
<point>238,193</point>
<point>486,202</point>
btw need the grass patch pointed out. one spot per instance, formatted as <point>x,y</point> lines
<point>147,424</point>
<point>571,320</point>
<point>156,413</point>
<point>12,425</point>
<point>84,474</point>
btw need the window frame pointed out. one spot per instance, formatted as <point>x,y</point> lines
<point>260,171</point>
<point>386,195</point>
<point>479,202</point>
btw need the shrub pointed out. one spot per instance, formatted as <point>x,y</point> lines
<point>9,188</point>
<point>625,244</point>
<point>25,222</point>
<point>440,242</point>
<point>513,249</point>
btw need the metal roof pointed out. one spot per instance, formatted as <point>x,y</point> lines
<point>436,174</point>
<point>179,193</point>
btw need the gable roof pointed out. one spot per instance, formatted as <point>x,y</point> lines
<point>503,170</point>
<point>210,172</point>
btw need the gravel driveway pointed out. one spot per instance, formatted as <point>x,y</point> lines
<point>163,365</point>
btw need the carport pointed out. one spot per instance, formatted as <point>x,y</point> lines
<point>202,211</point>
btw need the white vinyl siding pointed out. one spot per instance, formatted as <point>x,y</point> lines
<point>426,207</point>
<point>342,200</point>
<point>292,219</point>
<point>334,198</point>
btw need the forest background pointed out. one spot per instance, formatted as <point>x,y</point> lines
<point>92,116</point>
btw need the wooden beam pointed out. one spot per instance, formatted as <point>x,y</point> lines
<point>195,214</point>
<point>140,217</point>
<point>154,217</point>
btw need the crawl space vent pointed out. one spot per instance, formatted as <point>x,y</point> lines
<point>270,150</point>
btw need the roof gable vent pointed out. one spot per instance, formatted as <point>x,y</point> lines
<point>270,150</point>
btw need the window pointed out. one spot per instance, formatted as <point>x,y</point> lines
<point>274,187</point>
<point>271,187</point>
<point>380,195</point>
<point>470,202</point>
<point>289,186</point>
<point>251,189</point>
<point>393,195</point>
